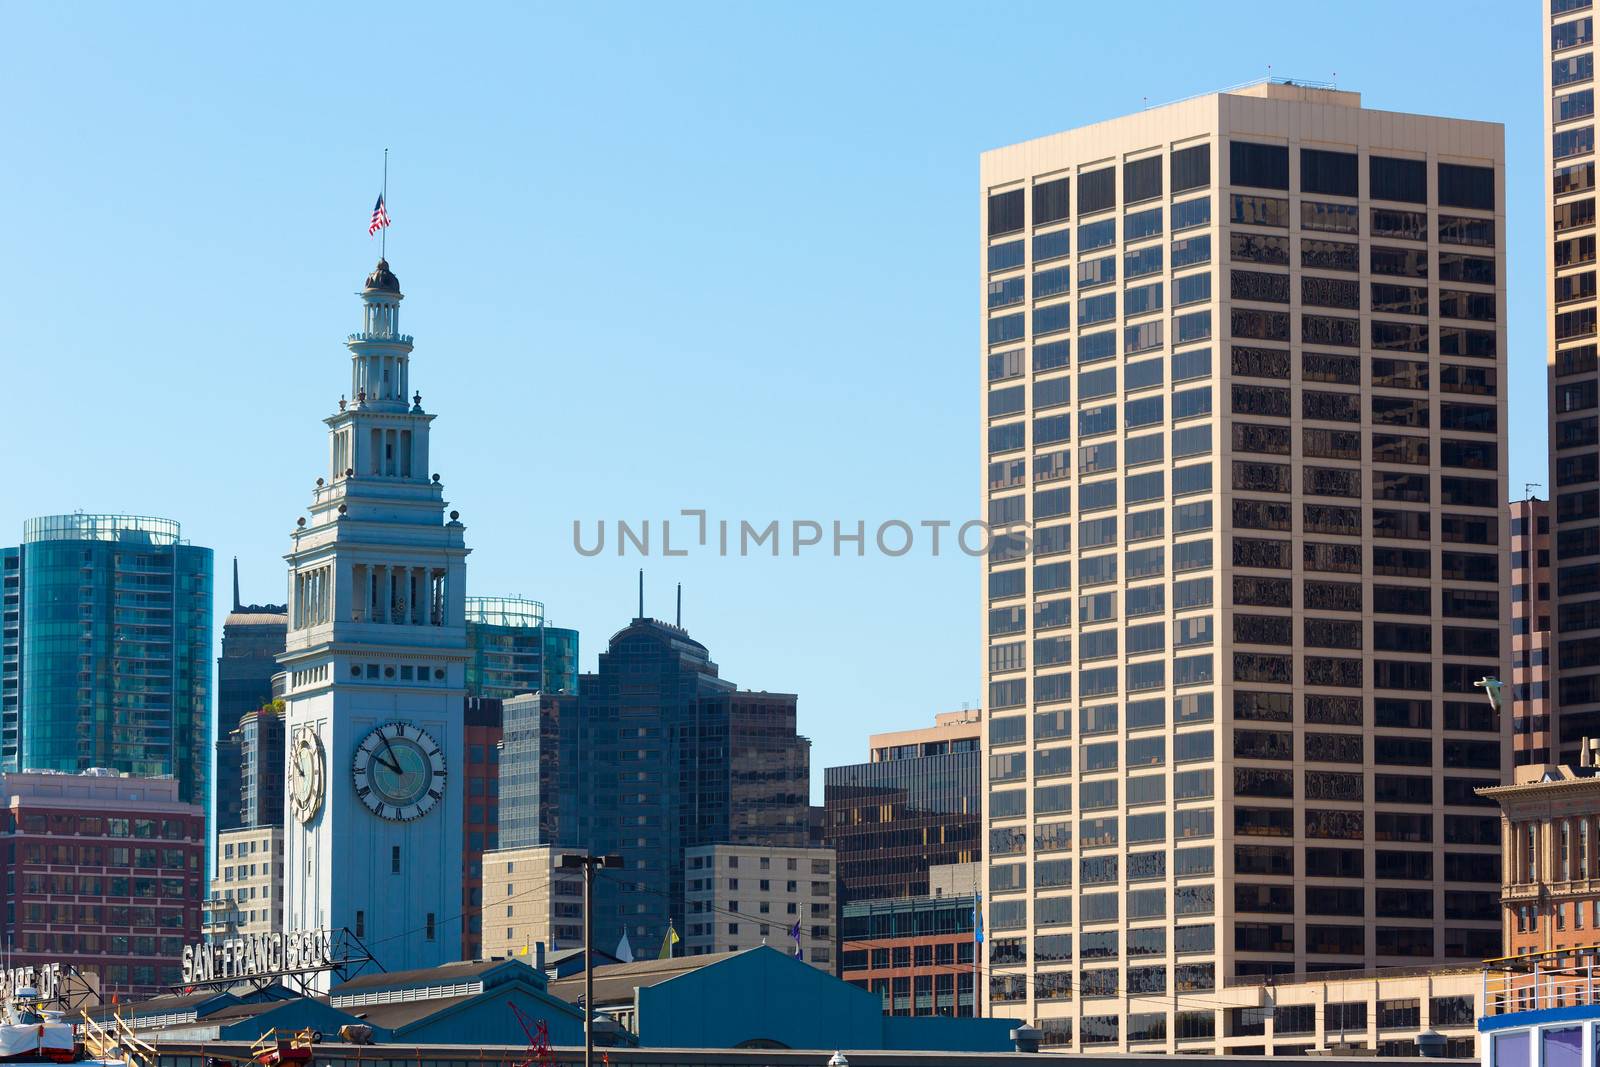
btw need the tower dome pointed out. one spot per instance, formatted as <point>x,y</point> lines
<point>383,278</point>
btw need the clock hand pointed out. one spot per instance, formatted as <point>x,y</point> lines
<point>393,763</point>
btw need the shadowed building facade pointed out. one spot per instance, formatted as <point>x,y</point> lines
<point>662,755</point>
<point>1574,373</point>
<point>250,766</point>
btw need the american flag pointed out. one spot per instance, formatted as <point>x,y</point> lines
<point>380,217</point>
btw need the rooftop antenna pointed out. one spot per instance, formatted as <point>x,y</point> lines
<point>641,592</point>
<point>1528,488</point>
<point>679,623</point>
<point>235,583</point>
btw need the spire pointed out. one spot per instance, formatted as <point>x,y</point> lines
<point>679,622</point>
<point>641,592</point>
<point>235,583</point>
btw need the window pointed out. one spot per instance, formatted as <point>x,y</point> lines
<point>1051,202</point>
<point>1192,250</point>
<point>1406,225</point>
<point>1398,179</point>
<point>1054,245</point>
<point>1191,168</point>
<point>1005,212</point>
<point>1262,211</point>
<point>1097,191</point>
<point>1138,225</point>
<point>1473,187</point>
<point>1263,166</point>
<point>1333,173</point>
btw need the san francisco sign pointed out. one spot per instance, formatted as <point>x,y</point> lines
<point>251,956</point>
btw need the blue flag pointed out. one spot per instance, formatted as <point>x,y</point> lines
<point>977,919</point>
<point>794,932</point>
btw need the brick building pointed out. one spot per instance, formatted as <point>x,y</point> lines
<point>481,813</point>
<point>1550,824</point>
<point>103,871</point>
<point>1531,702</point>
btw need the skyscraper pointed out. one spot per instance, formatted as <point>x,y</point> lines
<point>917,805</point>
<point>515,651</point>
<point>1243,384</point>
<point>1574,372</point>
<point>252,638</point>
<point>1531,698</point>
<point>108,641</point>
<point>656,755</point>
<point>918,802</point>
<point>376,663</point>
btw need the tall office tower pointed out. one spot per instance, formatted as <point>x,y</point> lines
<point>261,742</point>
<point>10,654</point>
<point>1574,375</point>
<point>483,728</point>
<point>252,637</point>
<point>530,763</point>
<point>514,651</point>
<point>1530,632</point>
<point>917,803</point>
<point>916,806</point>
<point>101,871</point>
<point>108,624</point>
<point>1244,378</point>
<point>663,755</point>
<point>376,663</point>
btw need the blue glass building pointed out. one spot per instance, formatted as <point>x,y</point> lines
<point>514,651</point>
<point>107,637</point>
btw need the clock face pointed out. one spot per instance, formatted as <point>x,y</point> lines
<point>306,773</point>
<point>399,772</point>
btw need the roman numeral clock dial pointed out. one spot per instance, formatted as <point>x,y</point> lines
<point>399,772</point>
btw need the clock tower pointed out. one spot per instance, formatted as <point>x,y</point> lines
<point>376,658</point>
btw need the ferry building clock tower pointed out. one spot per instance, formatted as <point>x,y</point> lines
<point>376,658</point>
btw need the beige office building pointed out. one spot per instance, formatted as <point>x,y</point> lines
<point>529,899</point>
<point>1574,379</point>
<point>741,896</point>
<point>1244,431</point>
<point>247,892</point>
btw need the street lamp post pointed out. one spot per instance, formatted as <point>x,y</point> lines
<point>572,861</point>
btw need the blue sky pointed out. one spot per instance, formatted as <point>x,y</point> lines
<point>657,256</point>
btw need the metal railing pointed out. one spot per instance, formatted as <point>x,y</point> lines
<point>1563,978</point>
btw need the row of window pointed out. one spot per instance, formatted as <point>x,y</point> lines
<point>1097,190</point>
<point>1262,166</point>
<point>1266,166</point>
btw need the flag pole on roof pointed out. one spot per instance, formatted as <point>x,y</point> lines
<point>380,211</point>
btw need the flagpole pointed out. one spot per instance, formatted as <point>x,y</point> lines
<point>384,253</point>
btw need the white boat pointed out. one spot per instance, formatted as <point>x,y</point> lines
<point>29,1034</point>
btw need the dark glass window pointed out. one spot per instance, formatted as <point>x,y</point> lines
<point>1258,248</point>
<point>1005,212</point>
<point>1051,201</point>
<point>1397,179</point>
<point>1264,166</point>
<point>1141,180</point>
<point>1406,225</point>
<point>1097,191</point>
<point>1334,173</point>
<point>1191,168</point>
<point>1473,187</point>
